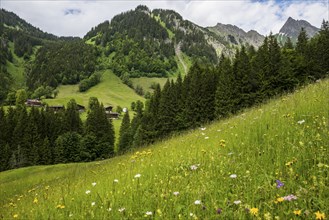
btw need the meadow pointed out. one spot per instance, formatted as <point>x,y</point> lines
<point>268,162</point>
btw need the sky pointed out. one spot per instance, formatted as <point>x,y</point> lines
<point>77,17</point>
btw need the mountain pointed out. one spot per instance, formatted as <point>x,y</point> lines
<point>236,36</point>
<point>292,29</point>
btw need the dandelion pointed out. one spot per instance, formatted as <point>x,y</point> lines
<point>197,202</point>
<point>93,203</point>
<point>176,193</point>
<point>148,213</point>
<point>88,192</point>
<point>301,121</point>
<point>94,184</point>
<point>115,181</point>
<point>297,212</point>
<point>254,211</point>
<point>237,202</point>
<point>233,176</point>
<point>60,206</point>
<point>279,184</point>
<point>319,215</point>
<point>15,216</point>
<point>137,175</point>
<point>35,201</point>
<point>121,209</point>
<point>281,199</point>
<point>194,167</point>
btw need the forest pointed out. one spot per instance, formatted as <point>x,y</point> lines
<point>207,93</point>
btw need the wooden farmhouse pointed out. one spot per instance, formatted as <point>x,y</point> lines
<point>33,102</point>
<point>110,114</point>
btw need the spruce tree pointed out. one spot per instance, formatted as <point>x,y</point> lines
<point>125,139</point>
<point>72,120</point>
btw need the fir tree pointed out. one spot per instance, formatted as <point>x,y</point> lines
<point>125,139</point>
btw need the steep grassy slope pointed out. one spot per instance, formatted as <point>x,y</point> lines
<point>230,169</point>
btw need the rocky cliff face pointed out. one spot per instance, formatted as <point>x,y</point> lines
<point>292,28</point>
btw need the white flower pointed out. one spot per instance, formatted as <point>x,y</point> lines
<point>202,129</point>
<point>233,176</point>
<point>191,214</point>
<point>206,137</point>
<point>121,209</point>
<point>237,202</point>
<point>203,133</point>
<point>93,203</point>
<point>116,181</point>
<point>94,184</point>
<point>70,215</point>
<point>197,202</point>
<point>148,213</point>
<point>87,192</point>
<point>109,209</point>
<point>137,175</point>
<point>194,167</point>
<point>176,193</point>
<point>301,121</point>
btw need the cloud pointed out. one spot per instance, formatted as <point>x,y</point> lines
<point>77,17</point>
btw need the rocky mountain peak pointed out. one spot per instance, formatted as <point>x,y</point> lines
<point>293,27</point>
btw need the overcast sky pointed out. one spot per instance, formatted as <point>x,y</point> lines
<point>76,17</point>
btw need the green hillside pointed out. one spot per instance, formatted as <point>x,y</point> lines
<point>110,91</point>
<point>269,162</point>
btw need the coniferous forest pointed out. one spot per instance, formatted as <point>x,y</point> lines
<point>208,92</point>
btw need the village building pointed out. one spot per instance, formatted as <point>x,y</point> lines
<point>33,103</point>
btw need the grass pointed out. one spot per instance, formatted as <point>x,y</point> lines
<point>16,69</point>
<point>146,82</point>
<point>228,169</point>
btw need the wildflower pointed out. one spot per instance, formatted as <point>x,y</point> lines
<point>279,184</point>
<point>93,203</point>
<point>254,211</point>
<point>202,129</point>
<point>237,202</point>
<point>290,197</point>
<point>206,137</point>
<point>60,206</point>
<point>297,212</point>
<point>88,192</point>
<point>197,202</point>
<point>116,181</point>
<point>191,214</point>
<point>148,213</point>
<point>35,201</point>
<point>121,209</point>
<point>281,199</point>
<point>233,176</point>
<point>94,184</point>
<point>109,209</point>
<point>301,121</point>
<point>137,175</point>
<point>15,216</point>
<point>319,215</point>
<point>176,193</point>
<point>194,167</point>
<point>219,210</point>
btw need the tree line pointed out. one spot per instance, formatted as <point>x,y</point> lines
<point>36,136</point>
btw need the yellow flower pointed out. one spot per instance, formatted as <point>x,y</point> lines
<point>35,201</point>
<point>15,216</point>
<point>297,212</point>
<point>254,211</point>
<point>281,199</point>
<point>320,215</point>
<point>60,206</point>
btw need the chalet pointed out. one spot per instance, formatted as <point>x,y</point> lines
<point>56,108</point>
<point>113,115</point>
<point>108,109</point>
<point>81,108</point>
<point>33,102</point>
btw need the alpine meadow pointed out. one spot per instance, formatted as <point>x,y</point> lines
<point>151,116</point>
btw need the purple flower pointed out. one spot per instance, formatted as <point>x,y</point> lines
<point>279,184</point>
<point>219,210</point>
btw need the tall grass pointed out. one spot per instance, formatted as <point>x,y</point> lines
<point>267,163</point>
